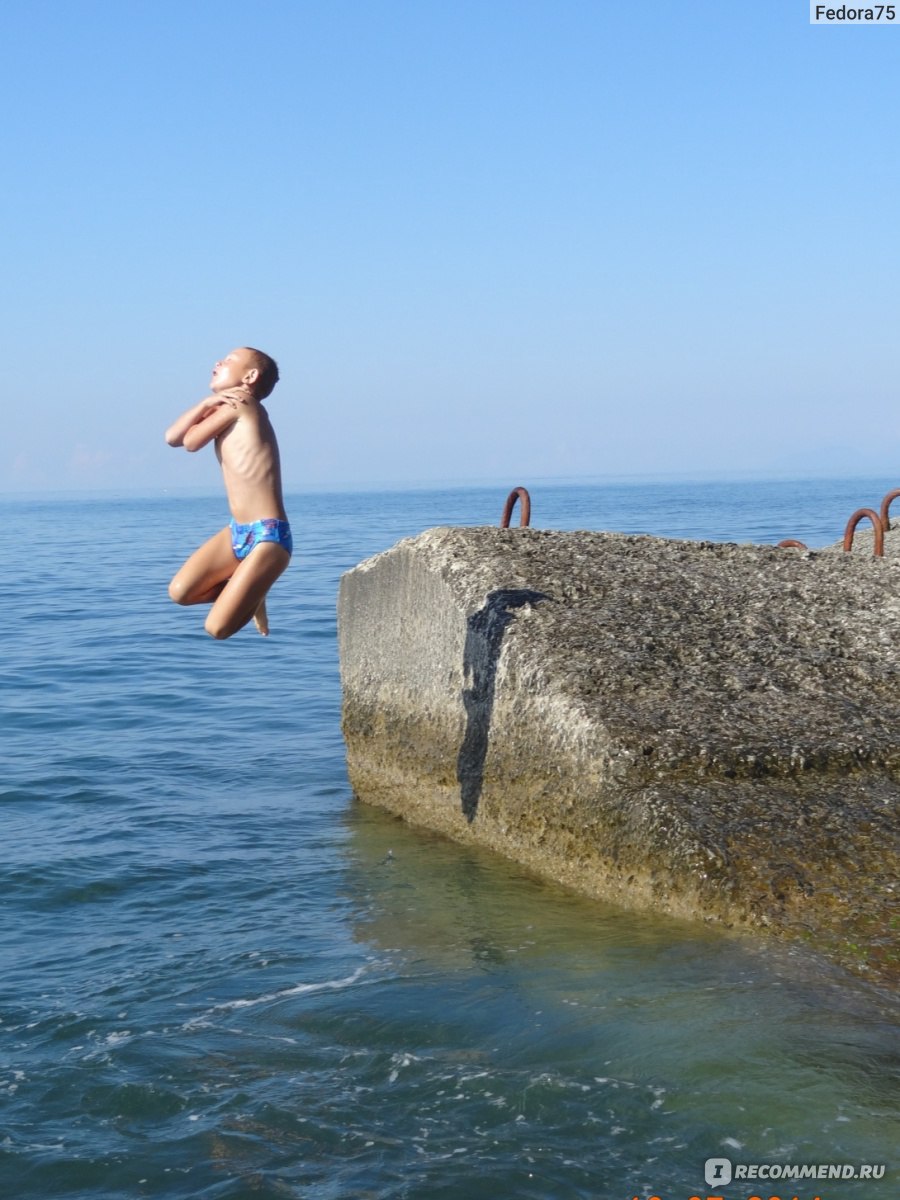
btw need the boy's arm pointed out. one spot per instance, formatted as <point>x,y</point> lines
<point>209,427</point>
<point>176,431</point>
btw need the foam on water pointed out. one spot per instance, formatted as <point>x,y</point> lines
<point>300,989</point>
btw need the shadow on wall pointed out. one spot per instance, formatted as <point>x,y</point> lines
<point>484,638</point>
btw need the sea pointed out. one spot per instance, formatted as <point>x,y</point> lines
<point>223,977</point>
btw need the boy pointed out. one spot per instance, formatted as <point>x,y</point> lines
<point>235,569</point>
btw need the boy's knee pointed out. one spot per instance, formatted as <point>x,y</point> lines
<point>217,629</point>
<point>177,591</point>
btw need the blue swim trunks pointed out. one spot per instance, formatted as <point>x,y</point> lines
<point>269,529</point>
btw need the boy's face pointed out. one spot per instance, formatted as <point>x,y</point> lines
<point>234,370</point>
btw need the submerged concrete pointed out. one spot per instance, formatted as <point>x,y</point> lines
<point>701,729</point>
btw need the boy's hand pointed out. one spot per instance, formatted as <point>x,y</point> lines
<point>235,397</point>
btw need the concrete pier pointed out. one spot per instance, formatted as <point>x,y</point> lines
<point>701,729</point>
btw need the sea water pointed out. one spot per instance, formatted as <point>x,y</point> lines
<point>223,977</point>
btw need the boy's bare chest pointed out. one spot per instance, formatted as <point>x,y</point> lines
<point>242,448</point>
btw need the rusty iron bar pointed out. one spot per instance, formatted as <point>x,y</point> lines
<point>886,508</point>
<point>859,515</point>
<point>793,542</point>
<point>524,499</point>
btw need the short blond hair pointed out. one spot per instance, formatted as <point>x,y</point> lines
<point>268,372</point>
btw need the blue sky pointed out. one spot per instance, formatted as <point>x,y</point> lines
<point>496,241</point>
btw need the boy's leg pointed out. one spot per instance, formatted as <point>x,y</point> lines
<point>245,592</point>
<point>202,577</point>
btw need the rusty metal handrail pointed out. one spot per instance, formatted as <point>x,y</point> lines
<point>880,521</point>
<point>886,508</point>
<point>524,499</point>
<point>859,515</point>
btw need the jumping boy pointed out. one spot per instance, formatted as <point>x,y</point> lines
<point>234,570</point>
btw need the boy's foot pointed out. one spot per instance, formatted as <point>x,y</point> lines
<point>261,619</point>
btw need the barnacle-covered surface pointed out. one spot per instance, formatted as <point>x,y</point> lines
<point>705,729</point>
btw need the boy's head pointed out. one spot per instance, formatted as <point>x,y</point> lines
<point>245,367</point>
<point>267,372</point>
